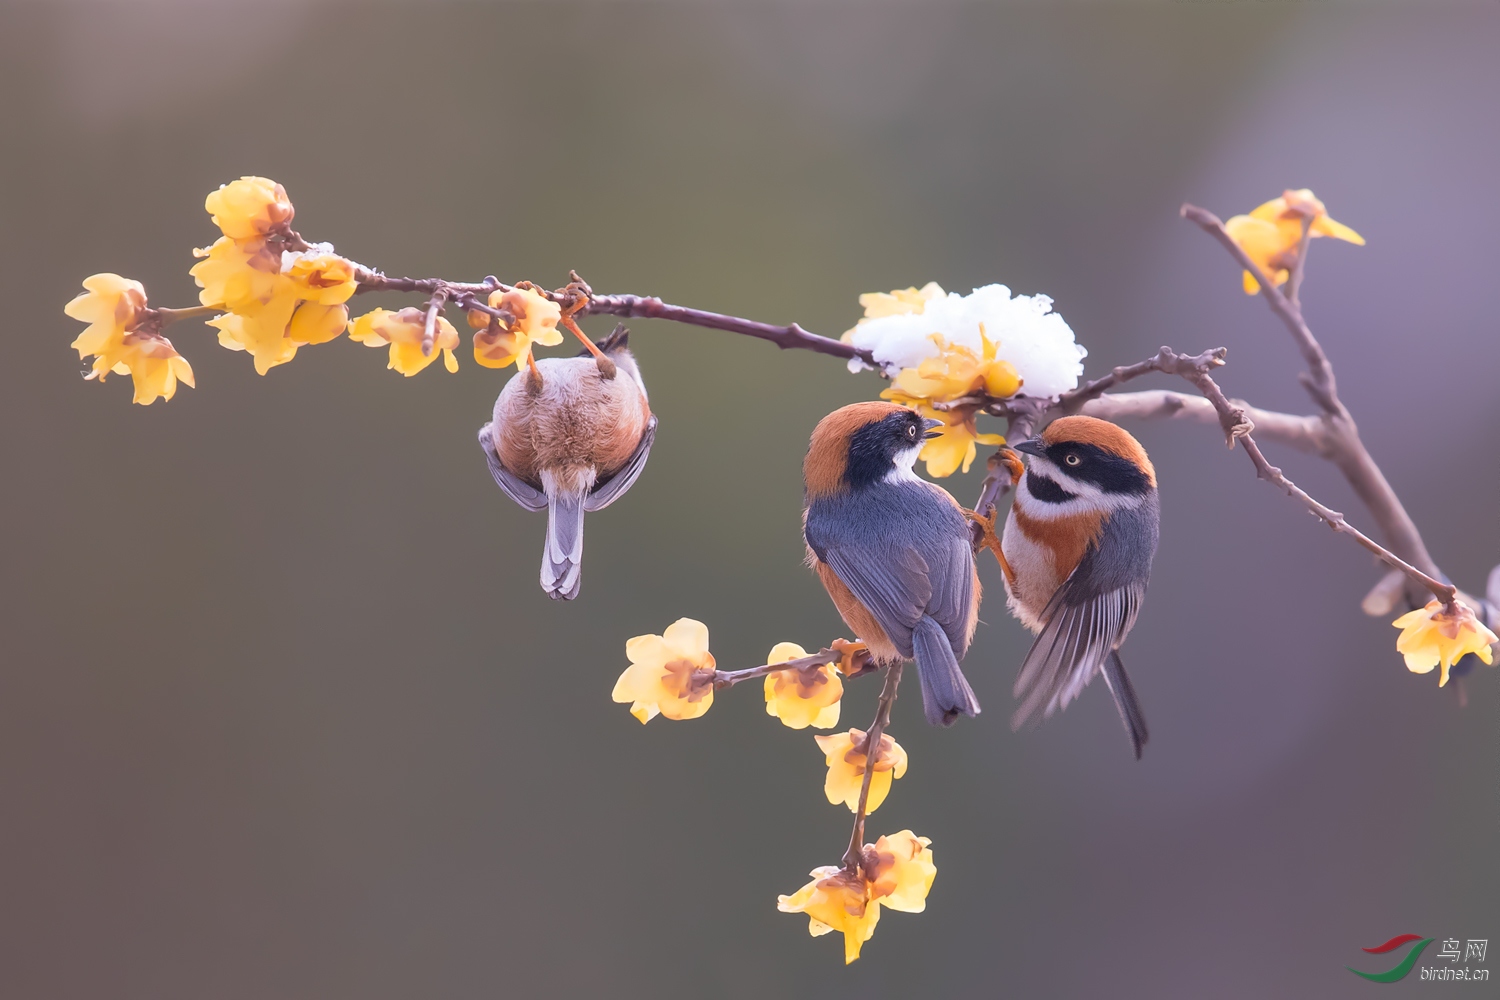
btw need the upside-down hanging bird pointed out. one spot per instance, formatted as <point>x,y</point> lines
<point>570,436</point>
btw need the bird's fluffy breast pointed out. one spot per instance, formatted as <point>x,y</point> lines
<point>579,423</point>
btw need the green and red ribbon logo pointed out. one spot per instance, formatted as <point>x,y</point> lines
<point>1403,967</point>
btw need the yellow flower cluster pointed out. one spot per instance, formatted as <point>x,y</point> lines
<point>276,301</point>
<point>671,674</point>
<point>1437,637</point>
<point>113,307</point>
<point>896,872</point>
<point>1271,235</point>
<point>501,342</point>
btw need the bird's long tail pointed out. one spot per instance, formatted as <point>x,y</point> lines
<point>562,559</point>
<point>945,693</point>
<point>1126,701</point>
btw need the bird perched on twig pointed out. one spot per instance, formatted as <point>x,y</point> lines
<point>892,550</point>
<point>570,436</point>
<point>1076,555</point>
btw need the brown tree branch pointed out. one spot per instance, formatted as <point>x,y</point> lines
<point>1341,436</point>
<point>855,852</point>
<point>787,337</point>
<point>1237,427</point>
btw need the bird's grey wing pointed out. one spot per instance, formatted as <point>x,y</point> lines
<point>521,492</point>
<point>615,486</point>
<point>892,583</point>
<point>951,572</point>
<point>1084,625</point>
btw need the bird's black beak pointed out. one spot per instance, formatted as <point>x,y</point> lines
<point>1031,446</point>
<point>929,424</point>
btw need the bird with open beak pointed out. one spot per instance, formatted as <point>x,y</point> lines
<point>1076,554</point>
<point>891,549</point>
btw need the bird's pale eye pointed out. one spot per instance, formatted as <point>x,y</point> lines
<point>1072,459</point>
<point>911,431</point>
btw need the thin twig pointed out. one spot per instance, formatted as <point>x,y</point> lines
<point>1237,427</point>
<point>855,853</point>
<point>791,336</point>
<point>166,317</point>
<point>429,325</point>
<point>729,678</point>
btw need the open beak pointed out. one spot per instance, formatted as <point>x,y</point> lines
<point>1031,446</point>
<point>929,423</point>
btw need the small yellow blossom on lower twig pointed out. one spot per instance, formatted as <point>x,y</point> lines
<point>846,755</point>
<point>113,307</point>
<point>671,674</point>
<point>249,207</point>
<point>504,342</point>
<point>403,332</point>
<point>896,871</point>
<point>1437,637</point>
<point>1271,235</point>
<point>802,698</point>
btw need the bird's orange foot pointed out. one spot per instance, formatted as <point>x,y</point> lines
<point>533,375</point>
<point>607,369</point>
<point>988,539</point>
<point>1007,457</point>
<point>854,657</point>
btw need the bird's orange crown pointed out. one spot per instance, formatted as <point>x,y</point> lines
<point>828,453</point>
<point>1101,434</point>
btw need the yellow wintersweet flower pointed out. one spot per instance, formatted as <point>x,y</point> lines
<point>1435,637</point>
<point>954,445</point>
<point>899,302</point>
<point>317,324</point>
<point>896,871</point>
<point>113,306</point>
<point>846,757</point>
<point>901,871</point>
<point>322,277</point>
<point>262,329</point>
<point>155,367</point>
<point>671,674</point>
<point>249,207</point>
<point>110,306</point>
<point>508,342</point>
<point>802,698</point>
<point>238,275</point>
<point>403,332</point>
<point>1271,235</point>
<point>958,371</point>
<point>836,900</point>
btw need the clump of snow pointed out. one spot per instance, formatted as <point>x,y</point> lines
<point>1033,338</point>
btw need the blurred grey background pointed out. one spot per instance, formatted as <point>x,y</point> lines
<point>283,713</point>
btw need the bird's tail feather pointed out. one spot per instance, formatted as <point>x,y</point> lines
<point>1126,701</point>
<point>562,559</point>
<point>945,693</point>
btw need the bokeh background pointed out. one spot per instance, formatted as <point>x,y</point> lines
<point>284,714</point>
